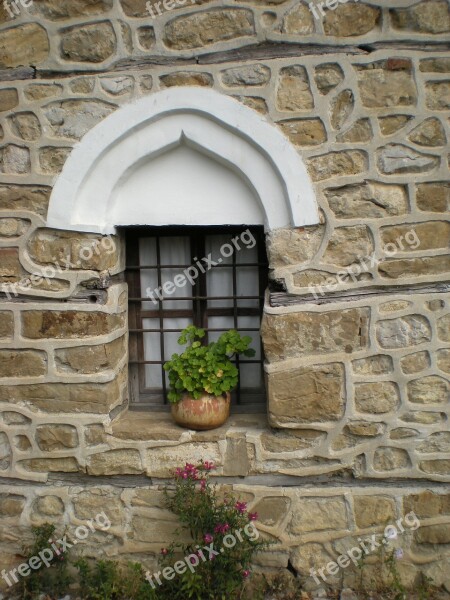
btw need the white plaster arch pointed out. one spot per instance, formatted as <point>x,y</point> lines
<point>183,156</point>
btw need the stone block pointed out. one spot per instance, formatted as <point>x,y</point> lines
<point>427,504</point>
<point>25,197</point>
<point>443,360</point>
<point>9,99</point>
<point>74,118</point>
<point>433,197</point>
<point>293,246</point>
<point>294,91</point>
<point>26,126</point>
<point>5,452</point>
<point>436,467</point>
<point>318,514</point>
<point>92,43</point>
<point>115,462</point>
<point>23,46</point>
<point>328,76</point>
<point>368,200</point>
<point>341,107</point>
<point>398,158</point>
<point>70,324</point>
<point>350,20</point>
<point>424,418</point>
<point>91,359</point>
<point>390,459</point>
<point>291,441</point>
<point>379,364</point>
<point>22,363</point>
<point>393,123</point>
<point>433,235</point>
<point>433,534</point>
<point>157,530</point>
<point>271,510</point>
<point>365,428</point>
<point>59,10</point>
<point>382,88</point>
<point>303,333</point>
<point>414,267</point>
<point>337,164</point>
<point>162,461</point>
<point>49,506</point>
<point>89,503</point>
<point>12,228</point>
<point>148,498</point>
<point>379,397</point>
<point>309,556</point>
<point>208,27</point>
<point>432,17</point>
<point>246,76</point>
<point>428,390</point>
<point>437,95</point>
<point>39,91</point>
<point>298,21</point>
<point>429,133</point>
<point>94,435</point>
<point>307,395</point>
<point>403,332</point>
<point>443,328</point>
<point>237,463</point>
<point>414,363</point>
<point>15,160</point>
<point>190,78</point>
<point>435,65</point>
<point>11,505</point>
<point>373,511</point>
<point>361,131</point>
<point>146,38</point>
<point>436,442</point>
<point>403,433</point>
<point>52,159</point>
<point>56,437</point>
<point>51,465</point>
<point>22,443</point>
<point>304,132</point>
<point>6,324</point>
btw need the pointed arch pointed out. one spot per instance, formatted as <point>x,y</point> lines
<point>183,156</point>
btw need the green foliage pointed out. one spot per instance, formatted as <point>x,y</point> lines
<point>54,579</point>
<point>224,538</point>
<point>202,368</point>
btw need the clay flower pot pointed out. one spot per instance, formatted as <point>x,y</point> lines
<point>208,412</point>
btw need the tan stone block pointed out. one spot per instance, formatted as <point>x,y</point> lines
<point>208,27</point>
<point>291,441</point>
<point>39,91</point>
<point>341,107</point>
<point>253,102</point>
<point>68,324</point>
<point>91,359</point>
<point>237,463</point>
<point>52,159</point>
<point>428,390</point>
<point>192,78</point>
<point>14,418</point>
<point>379,364</point>
<point>161,462</point>
<point>149,498</point>
<point>390,459</point>
<point>349,20</point>
<point>49,506</point>
<point>435,65</point>
<point>427,236</point>
<point>56,437</point>
<point>394,306</point>
<point>398,269</point>
<point>436,442</point>
<point>373,510</point>
<point>246,76</point>
<point>82,85</point>
<point>304,132</point>
<point>90,503</point>
<point>429,133</point>
<point>368,200</point>
<point>432,16</point>
<point>337,164</point>
<point>425,418</point>
<point>293,246</point>
<point>296,334</point>
<point>51,465</point>
<point>11,505</point>
<point>399,159</point>
<point>365,428</point>
<point>24,197</point>
<point>318,514</point>
<point>436,467</point>
<point>443,328</point>
<point>9,98</point>
<point>328,76</point>
<point>22,363</point>
<point>393,123</point>
<point>427,504</point>
<point>92,43</point>
<point>94,435</point>
<point>58,10</point>
<point>414,363</point>
<point>26,126</point>
<point>157,530</point>
<point>271,510</point>
<point>377,398</point>
<point>438,95</point>
<point>403,332</point>
<point>443,360</point>
<point>6,324</point>
<point>11,228</point>
<point>381,88</point>
<point>433,534</point>
<point>22,443</point>
<point>15,159</point>
<point>402,433</point>
<point>309,556</point>
<point>23,46</point>
<point>361,131</point>
<point>307,395</point>
<point>74,118</point>
<point>64,397</point>
<point>146,37</point>
<point>298,21</point>
<point>10,268</point>
<point>115,462</point>
<point>294,91</point>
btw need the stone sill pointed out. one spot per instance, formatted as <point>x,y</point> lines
<point>137,426</point>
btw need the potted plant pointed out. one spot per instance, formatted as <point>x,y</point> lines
<point>202,377</point>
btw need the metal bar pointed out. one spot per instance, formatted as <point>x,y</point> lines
<point>147,299</point>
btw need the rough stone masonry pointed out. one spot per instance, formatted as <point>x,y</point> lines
<point>356,432</point>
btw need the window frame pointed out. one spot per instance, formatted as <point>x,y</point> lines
<point>199,312</point>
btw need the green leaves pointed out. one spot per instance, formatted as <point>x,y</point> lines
<point>201,369</point>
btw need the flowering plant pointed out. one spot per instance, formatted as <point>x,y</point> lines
<point>204,369</point>
<point>223,533</point>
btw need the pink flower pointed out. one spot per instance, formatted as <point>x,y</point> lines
<point>164,551</point>
<point>245,573</point>
<point>221,528</point>
<point>241,507</point>
<point>208,538</point>
<point>192,560</point>
<point>252,516</point>
<point>203,485</point>
<point>209,466</point>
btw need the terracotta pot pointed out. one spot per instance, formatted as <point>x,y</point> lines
<point>208,412</point>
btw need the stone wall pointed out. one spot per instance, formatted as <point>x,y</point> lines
<point>356,326</point>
